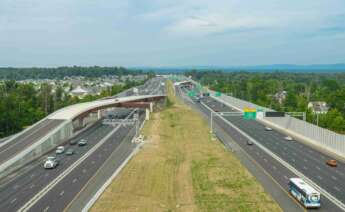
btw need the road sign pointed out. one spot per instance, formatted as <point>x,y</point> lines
<point>249,114</point>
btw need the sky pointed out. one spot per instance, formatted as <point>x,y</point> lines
<point>163,33</point>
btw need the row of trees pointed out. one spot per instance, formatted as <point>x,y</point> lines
<point>61,72</point>
<point>301,88</point>
<point>23,104</point>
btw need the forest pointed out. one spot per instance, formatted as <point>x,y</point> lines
<point>61,72</point>
<point>299,89</point>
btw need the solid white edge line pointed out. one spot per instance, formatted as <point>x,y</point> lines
<point>97,195</point>
<point>46,189</point>
<point>284,163</point>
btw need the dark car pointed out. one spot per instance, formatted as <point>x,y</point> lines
<point>73,142</point>
<point>70,151</point>
<point>249,142</point>
<point>82,142</point>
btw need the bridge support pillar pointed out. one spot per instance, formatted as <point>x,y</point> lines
<point>147,115</point>
<point>151,107</point>
<point>99,114</point>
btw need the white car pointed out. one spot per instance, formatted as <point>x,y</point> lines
<point>60,149</point>
<point>268,129</point>
<point>50,163</point>
<point>288,138</point>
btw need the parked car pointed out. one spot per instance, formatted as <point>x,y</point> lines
<point>60,149</point>
<point>70,151</point>
<point>332,163</point>
<point>82,142</point>
<point>51,163</point>
<point>288,138</point>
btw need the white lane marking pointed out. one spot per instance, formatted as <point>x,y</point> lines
<point>47,208</point>
<point>62,192</point>
<point>33,185</point>
<point>286,177</point>
<point>293,160</point>
<point>46,189</point>
<point>287,165</point>
<point>265,160</point>
<point>336,188</point>
<point>74,180</point>
<point>33,175</point>
<point>318,168</point>
<point>334,178</point>
<point>305,160</point>
<point>275,168</point>
<point>304,167</point>
<point>12,201</point>
<point>319,177</point>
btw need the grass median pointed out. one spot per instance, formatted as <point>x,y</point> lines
<point>180,168</point>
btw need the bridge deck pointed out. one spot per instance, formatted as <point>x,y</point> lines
<point>27,138</point>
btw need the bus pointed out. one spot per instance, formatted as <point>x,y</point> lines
<point>307,195</point>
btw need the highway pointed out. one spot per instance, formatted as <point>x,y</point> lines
<point>308,161</point>
<point>33,188</point>
<point>29,137</point>
<point>18,189</point>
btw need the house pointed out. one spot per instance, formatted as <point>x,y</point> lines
<point>79,92</point>
<point>318,107</point>
<point>280,96</point>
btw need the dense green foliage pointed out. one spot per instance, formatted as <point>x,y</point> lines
<point>61,72</point>
<point>301,88</point>
<point>24,104</point>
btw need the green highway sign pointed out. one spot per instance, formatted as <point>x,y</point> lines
<point>249,114</point>
<point>218,94</point>
<point>191,93</point>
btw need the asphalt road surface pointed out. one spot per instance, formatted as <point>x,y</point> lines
<point>29,137</point>
<point>305,159</point>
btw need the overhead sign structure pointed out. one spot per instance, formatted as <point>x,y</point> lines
<point>249,114</point>
<point>274,114</point>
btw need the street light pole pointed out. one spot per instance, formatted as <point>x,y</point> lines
<point>211,131</point>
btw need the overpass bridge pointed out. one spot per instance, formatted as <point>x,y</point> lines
<point>60,126</point>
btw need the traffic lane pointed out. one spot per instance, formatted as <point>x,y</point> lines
<point>275,169</point>
<point>63,193</point>
<point>329,180</point>
<point>327,205</point>
<point>313,167</point>
<point>32,182</point>
<point>28,140</point>
<point>312,153</point>
<point>24,134</point>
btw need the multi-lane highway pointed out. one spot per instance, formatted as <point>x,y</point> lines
<point>33,188</point>
<point>305,159</point>
<point>27,138</point>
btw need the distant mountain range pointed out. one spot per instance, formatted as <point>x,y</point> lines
<point>319,68</point>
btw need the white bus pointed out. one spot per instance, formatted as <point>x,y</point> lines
<point>304,193</point>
